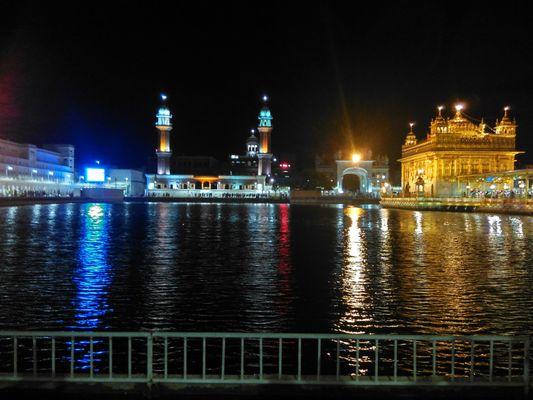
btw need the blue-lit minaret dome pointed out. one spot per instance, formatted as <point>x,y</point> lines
<point>265,131</point>
<point>164,126</point>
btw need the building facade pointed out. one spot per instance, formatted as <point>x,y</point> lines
<point>30,171</point>
<point>454,147</point>
<point>248,175</point>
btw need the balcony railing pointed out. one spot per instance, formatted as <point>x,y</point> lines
<point>260,358</point>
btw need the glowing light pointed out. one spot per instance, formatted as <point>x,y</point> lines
<point>95,174</point>
<point>265,98</point>
<point>98,162</point>
<point>51,173</point>
<point>252,131</point>
<point>9,168</point>
<point>356,157</point>
<point>34,171</point>
<point>506,108</point>
<point>440,108</point>
<point>459,107</point>
<point>163,96</point>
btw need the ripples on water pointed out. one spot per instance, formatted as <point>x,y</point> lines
<point>264,267</point>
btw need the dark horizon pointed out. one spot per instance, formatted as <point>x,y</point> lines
<point>338,75</point>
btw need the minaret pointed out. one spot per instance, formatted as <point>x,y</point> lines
<point>265,130</point>
<point>164,126</point>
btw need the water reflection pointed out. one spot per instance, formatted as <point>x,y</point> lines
<point>257,267</point>
<point>353,275</point>
<point>92,278</point>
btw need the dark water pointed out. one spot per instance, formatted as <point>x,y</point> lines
<point>259,267</point>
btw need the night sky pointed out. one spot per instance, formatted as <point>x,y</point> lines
<point>340,75</point>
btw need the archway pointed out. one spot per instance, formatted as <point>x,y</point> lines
<point>351,183</point>
<point>354,179</point>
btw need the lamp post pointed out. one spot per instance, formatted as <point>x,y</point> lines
<point>33,171</point>
<point>8,168</point>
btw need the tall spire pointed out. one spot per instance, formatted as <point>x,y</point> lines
<point>265,131</point>
<point>164,126</point>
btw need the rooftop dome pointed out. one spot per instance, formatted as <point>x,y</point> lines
<point>252,139</point>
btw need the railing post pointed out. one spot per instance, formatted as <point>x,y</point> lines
<point>242,358</point>
<point>260,359</point>
<point>299,359</point>
<point>318,358</point>
<point>72,354</point>
<point>337,366</point>
<point>203,357</point>
<point>472,361</point>
<point>357,359</point>
<point>453,361</point>
<point>223,366</point>
<point>491,360</point>
<point>15,356</point>
<point>165,356</point>
<point>110,357</point>
<point>510,361</point>
<point>149,357</point>
<point>414,360</point>
<point>526,367</point>
<point>395,360</point>
<point>34,346</point>
<point>53,357</point>
<point>434,370</point>
<point>129,356</point>
<point>91,361</point>
<point>280,358</point>
<point>185,358</point>
<point>376,368</point>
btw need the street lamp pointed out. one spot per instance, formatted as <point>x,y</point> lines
<point>8,168</point>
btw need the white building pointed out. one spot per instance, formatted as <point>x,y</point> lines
<point>131,181</point>
<point>30,171</point>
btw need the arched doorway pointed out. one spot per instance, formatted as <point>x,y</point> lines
<point>353,179</point>
<point>351,183</point>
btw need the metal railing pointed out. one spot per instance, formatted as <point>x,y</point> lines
<point>259,358</point>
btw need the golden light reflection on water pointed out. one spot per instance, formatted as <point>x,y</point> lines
<point>438,274</point>
<point>353,273</point>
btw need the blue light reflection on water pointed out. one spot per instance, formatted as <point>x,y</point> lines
<point>92,273</point>
<point>92,279</point>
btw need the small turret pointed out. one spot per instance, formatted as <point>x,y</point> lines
<point>252,144</point>
<point>439,124</point>
<point>506,126</point>
<point>410,139</point>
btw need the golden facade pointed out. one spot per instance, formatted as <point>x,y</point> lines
<point>456,147</point>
